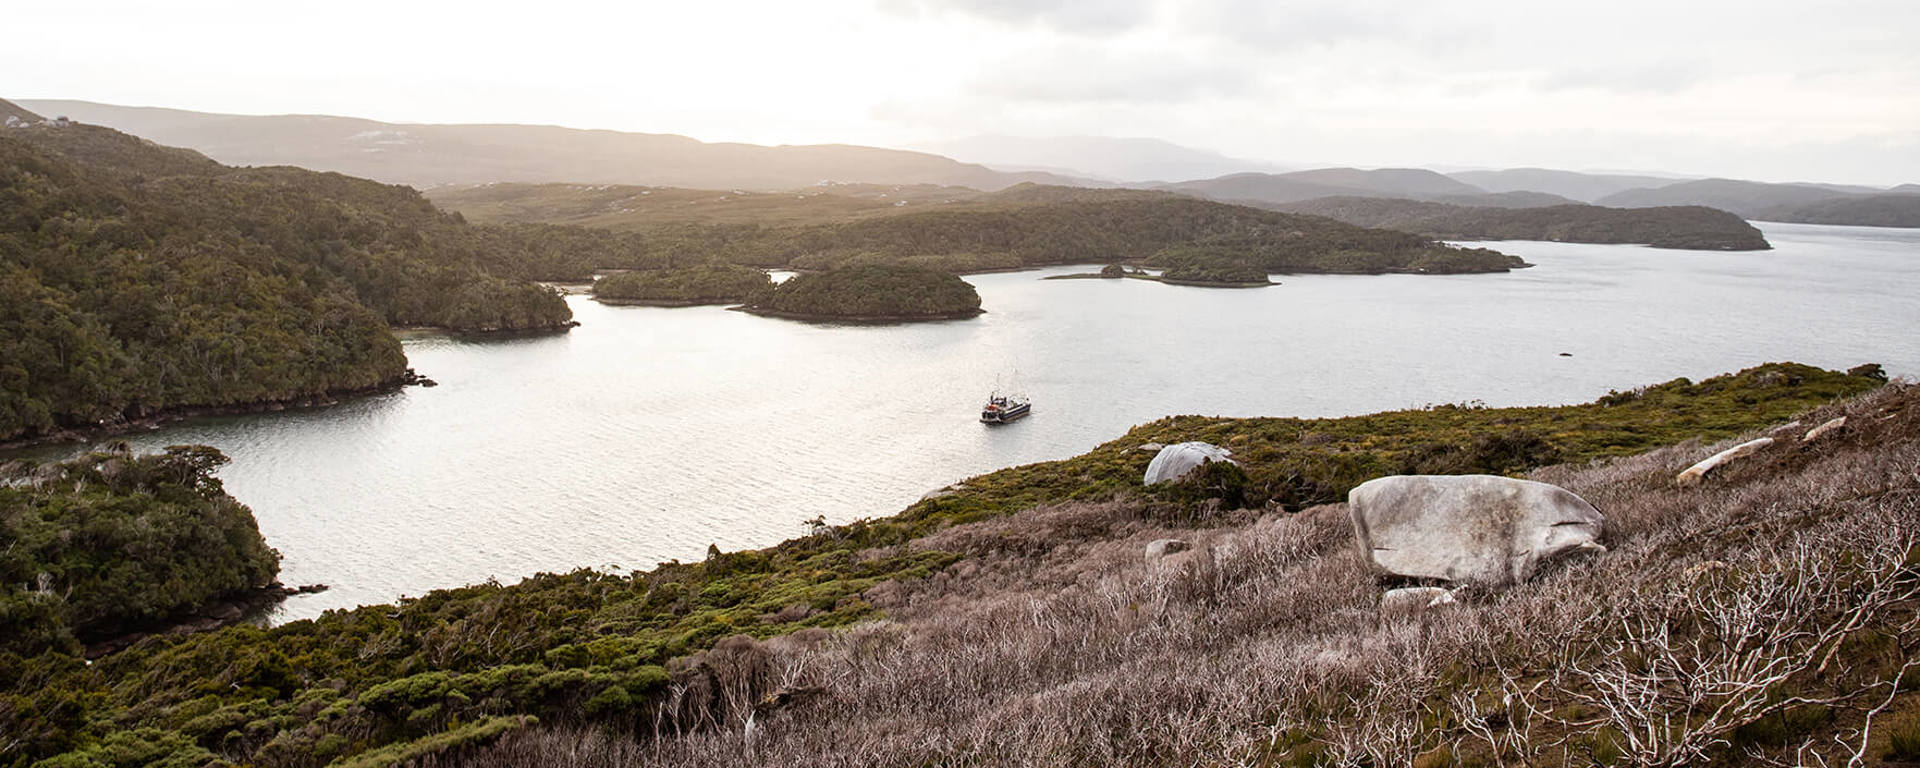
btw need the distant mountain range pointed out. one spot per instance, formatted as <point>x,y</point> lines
<point>431,155</point>
<point>1808,203</point>
<point>1101,157</point>
<point>434,155</point>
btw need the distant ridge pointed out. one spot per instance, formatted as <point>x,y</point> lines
<point>1105,157</point>
<point>1584,187</point>
<point>10,109</point>
<point>432,155</point>
<point>1410,183</point>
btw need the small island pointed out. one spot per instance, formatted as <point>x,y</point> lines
<point>1197,273</point>
<point>871,293</point>
<point>682,286</point>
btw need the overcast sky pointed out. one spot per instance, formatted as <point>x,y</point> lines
<point>1775,91</point>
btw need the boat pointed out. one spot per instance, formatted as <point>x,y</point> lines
<point>1001,409</point>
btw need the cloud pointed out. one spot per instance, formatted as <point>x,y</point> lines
<point>1069,17</point>
<point>1649,77</point>
<point>1104,75</point>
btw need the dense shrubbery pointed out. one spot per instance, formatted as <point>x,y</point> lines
<point>874,291</point>
<point>136,278</point>
<point>701,284</point>
<point>1690,227</point>
<point>111,542</point>
<point>1195,269</point>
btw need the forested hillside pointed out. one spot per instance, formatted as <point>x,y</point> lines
<point>110,542</point>
<point>1690,227</point>
<point>1029,225</point>
<point>136,279</point>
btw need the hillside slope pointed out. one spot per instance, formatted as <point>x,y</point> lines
<point>1687,227</point>
<point>1769,616</point>
<point>1325,182</point>
<point>1893,210</point>
<point>1010,619</point>
<point>137,279</point>
<point>429,155</point>
<point>1021,226</point>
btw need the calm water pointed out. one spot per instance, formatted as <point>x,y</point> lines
<point>648,433</point>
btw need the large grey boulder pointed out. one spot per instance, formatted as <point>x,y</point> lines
<point>1478,529</point>
<point>1175,461</point>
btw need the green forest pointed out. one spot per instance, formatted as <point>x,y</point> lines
<point>891,292</point>
<point>1690,227</point>
<point>109,543</point>
<point>137,279</point>
<point>699,284</point>
<point>589,648</point>
<point>1031,225</point>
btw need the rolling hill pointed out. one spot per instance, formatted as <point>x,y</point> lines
<point>1682,227</point>
<point>1104,157</point>
<point>1401,183</point>
<point>138,280</point>
<point>1583,187</point>
<point>430,155</point>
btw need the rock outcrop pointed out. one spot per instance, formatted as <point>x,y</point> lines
<point>1478,529</point>
<point>1175,461</point>
<point>1697,473</point>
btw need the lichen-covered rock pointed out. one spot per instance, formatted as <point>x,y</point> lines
<point>1175,461</point>
<point>1695,474</point>
<point>1478,529</point>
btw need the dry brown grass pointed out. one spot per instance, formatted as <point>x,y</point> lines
<point>1783,586</point>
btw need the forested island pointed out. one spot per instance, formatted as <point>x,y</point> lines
<point>869,293</point>
<point>825,643</point>
<point>138,280</point>
<point>683,286</point>
<point>1024,226</point>
<point>1690,227</point>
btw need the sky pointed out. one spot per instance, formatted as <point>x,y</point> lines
<point>1773,91</point>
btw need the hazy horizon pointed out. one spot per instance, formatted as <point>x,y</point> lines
<point>1707,90</point>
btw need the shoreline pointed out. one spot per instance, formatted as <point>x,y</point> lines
<point>613,302</point>
<point>233,608</point>
<point>157,419</point>
<point>873,319</point>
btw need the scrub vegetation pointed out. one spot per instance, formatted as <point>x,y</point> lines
<point>1018,597</point>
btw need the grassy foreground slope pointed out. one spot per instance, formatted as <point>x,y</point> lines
<point>691,648</point>
<point>1769,617</point>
